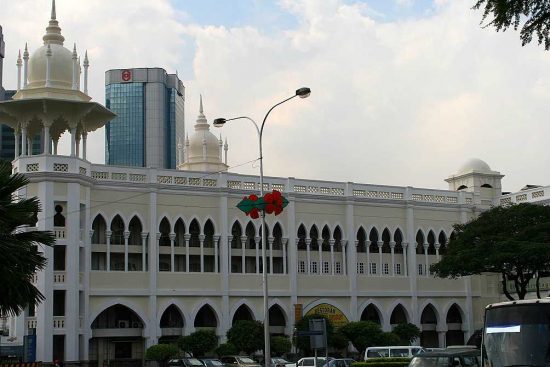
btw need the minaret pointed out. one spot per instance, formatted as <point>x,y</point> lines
<point>75,69</point>
<point>226,148</point>
<point>86,65</point>
<point>186,150</point>
<point>220,143</point>
<point>25,65</point>
<point>19,64</point>
<point>53,31</point>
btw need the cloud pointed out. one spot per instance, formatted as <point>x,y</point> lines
<point>403,102</point>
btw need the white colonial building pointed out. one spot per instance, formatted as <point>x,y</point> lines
<point>144,255</point>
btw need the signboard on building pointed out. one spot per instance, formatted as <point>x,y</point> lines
<point>336,317</point>
<point>297,312</point>
<point>29,348</point>
<point>126,75</point>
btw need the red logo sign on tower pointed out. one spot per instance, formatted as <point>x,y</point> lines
<point>126,75</point>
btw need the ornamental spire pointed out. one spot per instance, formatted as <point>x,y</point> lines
<point>53,10</point>
<point>202,123</point>
<point>53,31</point>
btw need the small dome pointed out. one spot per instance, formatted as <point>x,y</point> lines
<point>196,143</point>
<point>474,164</point>
<point>61,67</point>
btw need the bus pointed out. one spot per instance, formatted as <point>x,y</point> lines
<point>517,333</point>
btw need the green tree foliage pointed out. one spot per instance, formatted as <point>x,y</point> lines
<point>199,342</point>
<point>247,336</point>
<point>339,341</point>
<point>161,353</point>
<point>20,258</point>
<point>226,349</point>
<point>407,333</point>
<point>390,338</point>
<point>532,15</point>
<point>513,241</point>
<point>362,334</point>
<point>279,345</point>
<point>302,342</point>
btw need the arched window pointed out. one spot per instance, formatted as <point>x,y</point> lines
<point>277,237</point>
<point>236,232</point>
<point>243,313</point>
<point>398,238</point>
<point>164,229</point>
<point>398,315</point>
<point>314,236</point>
<point>302,246</point>
<point>206,317</point>
<point>431,243</point>
<point>428,335</point>
<point>117,317</point>
<point>442,239</point>
<point>361,240</point>
<point>371,313</point>
<point>171,318</point>
<point>250,236</point>
<point>99,227</point>
<point>117,229</point>
<point>179,230</point>
<point>208,234</point>
<point>325,241</point>
<point>373,238</point>
<point>135,232</point>
<point>194,231</point>
<point>337,235</point>
<point>276,316</point>
<point>419,242</point>
<point>487,186</point>
<point>454,335</point>
<point>462,187</point>
<point>386,241</point>
<point>58,218</point>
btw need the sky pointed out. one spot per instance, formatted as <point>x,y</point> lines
<point>403,91</point>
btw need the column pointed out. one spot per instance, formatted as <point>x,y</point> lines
<point>24,139</point>
<point>344,259</point>
<point>441,336</point>
<point>84,147</point>
<point>392,247</point>
<point>367,244</point>
<point>308,247</point>
<point>172,244</point>
<point>47,143</point>
<point>332,266</point>
<point>230,251</point>
<point>126,237</point>
<point>380,244</point>
<point>437,246</point>
<point>216,240</point>
<point>320,266</point>
<point>284,242</point>
<point>426,258</point>
<point>201,239</point>
<point>108,234</point>
<point>243,244</point>
<point>257,240</point>
<point>77,145</point>
<point>187,237</point>
<point>405,259</point>
<point>270,241</point>
<point>29,146</point>
<point>73,141</point>
<point>17,134</point>
<point>143,251</point>
<point>55,141</point>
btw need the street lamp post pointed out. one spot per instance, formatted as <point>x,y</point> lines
<point>219,122</point>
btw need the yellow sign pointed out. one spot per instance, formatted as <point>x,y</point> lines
<point>336,317</point>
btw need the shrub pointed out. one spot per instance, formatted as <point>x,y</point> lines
<point>226,349</point>
<point>161,353</point>
<point>247,336</point>
<point>280,345</point>
<point>199,342</point>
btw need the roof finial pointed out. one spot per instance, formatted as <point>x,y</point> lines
<point>53,10</point>
<point>201,110</point>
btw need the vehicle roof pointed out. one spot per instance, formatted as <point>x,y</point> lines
<point>519,302</point>
<point>450,353</point>
<point>395,346</point>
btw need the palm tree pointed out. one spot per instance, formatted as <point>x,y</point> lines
<point>19,256</point>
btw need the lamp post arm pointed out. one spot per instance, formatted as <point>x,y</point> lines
<point>271,109</point>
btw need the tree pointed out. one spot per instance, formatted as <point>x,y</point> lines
<point>247,336</point>
<point>226,349</point>
<point>533,15</point>
<point>302,342</point>
<point>513,241</point>
<point>407,333</point>
<point>161,353</point>
<point>339,341</point>
<point>362,334</point>
<point>19,247</point>
<point>389,338</point>
<point>198,342</point>
<point>280,345</point>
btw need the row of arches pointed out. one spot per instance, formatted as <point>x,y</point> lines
<point>385,237</point>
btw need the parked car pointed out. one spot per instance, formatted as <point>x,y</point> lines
<point>212,362</point>
<point>239,361</point>
<point>279,362</point>
<point>453,357</point>
<point>340,362</point>
<point>392,352</point>
<point>185,362</point>
<point>310,362</point>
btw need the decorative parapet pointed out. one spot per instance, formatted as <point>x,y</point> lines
<point>540,195</point>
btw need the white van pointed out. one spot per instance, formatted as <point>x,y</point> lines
<point>407,351</point>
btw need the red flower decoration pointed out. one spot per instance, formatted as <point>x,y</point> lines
<point>254,213</point>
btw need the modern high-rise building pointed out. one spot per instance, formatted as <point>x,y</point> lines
<point>149,104</point>
<point>2,50</point>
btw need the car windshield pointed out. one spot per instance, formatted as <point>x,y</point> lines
<point>215,362</point>
<point>279,360</point>
<point>424,361</point>
<point>246,360</point>
<point>194,362</point>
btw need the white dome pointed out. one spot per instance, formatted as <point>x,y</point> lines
<point>474,164</point>
<point>61,67</point>
<point>197,142</point>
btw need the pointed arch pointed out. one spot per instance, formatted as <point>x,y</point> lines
<point>454,319</point>
<point>371,313</point>
<point>373,238</point>
<point>398,239</point>
<point>429,320</point>
<point>277,236</point>
<point>314,236</point>
<point>250,232</point>
<point>325,239</point>
<point>442,239</point>
<point>164,230</point>
<point>399,315</point>
<point>386,238</point>
<point>172,317</point>
<point>243,312</point>
<point>302,234</point>
<point>132,307</point>
<point>420,240</point>
<point>194,231</point>
<point>361,240</point>
<point>431,242</point>
<point>99,227</point>
<point>206,317</point>
<point>337,236</point>
<point>209,232</point>
<point>117,230</point>
<point>179,230</point>
<point>236,233</point>
<point>135,228</point>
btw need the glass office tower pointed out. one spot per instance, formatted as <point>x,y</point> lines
<point>149,104</point>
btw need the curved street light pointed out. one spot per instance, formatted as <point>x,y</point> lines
<point>219,122</point>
